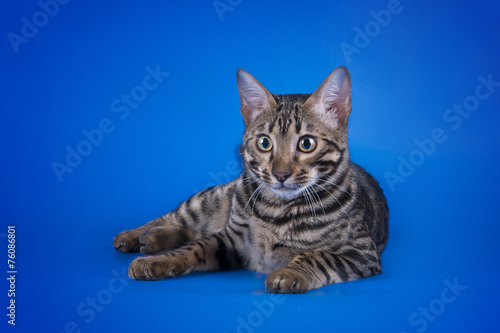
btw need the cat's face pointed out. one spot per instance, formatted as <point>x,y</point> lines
<point>293,143</point>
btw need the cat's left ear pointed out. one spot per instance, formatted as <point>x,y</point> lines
<point>254,97</point>
<point>333,97</point>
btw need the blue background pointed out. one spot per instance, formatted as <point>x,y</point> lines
<point>183,135</point>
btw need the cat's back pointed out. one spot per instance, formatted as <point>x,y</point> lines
<point>371,199</point>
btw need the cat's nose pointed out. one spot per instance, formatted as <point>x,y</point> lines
<point>282,175</point>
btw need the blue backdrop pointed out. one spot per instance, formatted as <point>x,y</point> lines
<point>113,112</point>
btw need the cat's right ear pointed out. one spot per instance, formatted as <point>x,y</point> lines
<point>254,97</point>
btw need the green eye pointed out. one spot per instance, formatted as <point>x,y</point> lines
<point>307,144</point>
<point>264,143</point>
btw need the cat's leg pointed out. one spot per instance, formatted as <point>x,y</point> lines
<point>164,238</point>
<point>208,254</point>
<point>314,269</point>
<point>201,215</point>
<point>161,234</point>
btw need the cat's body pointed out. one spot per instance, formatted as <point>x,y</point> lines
<point>301,210</point>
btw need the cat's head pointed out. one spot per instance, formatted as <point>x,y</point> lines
<point>293,142</point>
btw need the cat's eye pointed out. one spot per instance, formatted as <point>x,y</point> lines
<point>307,144</point>
<point>264,143</point>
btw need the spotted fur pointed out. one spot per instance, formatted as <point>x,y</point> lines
<point>307,218</point>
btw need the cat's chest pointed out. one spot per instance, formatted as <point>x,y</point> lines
<point>262,248</point>
<point>260,256</point>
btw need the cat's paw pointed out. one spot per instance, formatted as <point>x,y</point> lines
<point>160,239</point>
<point>156,268</point>
<point>127,241</point>
<point>286,281</point>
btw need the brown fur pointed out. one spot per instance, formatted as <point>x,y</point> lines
<point>307,217</point>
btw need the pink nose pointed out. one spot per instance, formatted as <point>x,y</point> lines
<point>282,176</point>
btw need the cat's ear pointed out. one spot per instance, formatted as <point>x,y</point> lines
<point>253,95</point>
<point>333,97</point>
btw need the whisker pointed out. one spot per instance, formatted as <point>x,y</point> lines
<point>305,194</point>
<point>343,208</point>
<point>255,199</point>
<point>262,196</point>
<point>330,182</point>
<point>252,196</point>
<point>246,179</point>
<point>310,202</point>
<point>319,199</point>
<point>312,205</point>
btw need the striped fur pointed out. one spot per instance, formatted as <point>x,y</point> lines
<point>307,218</point>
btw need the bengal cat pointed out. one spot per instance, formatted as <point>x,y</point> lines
<point>301,210</point>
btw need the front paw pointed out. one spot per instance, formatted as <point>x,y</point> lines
<point>156,268</point>
<point>286,281</point>
<point>127,241</point>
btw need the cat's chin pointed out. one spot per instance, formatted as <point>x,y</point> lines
<point>287,192</point>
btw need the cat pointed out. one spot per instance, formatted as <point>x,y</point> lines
<point>301,211</point>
